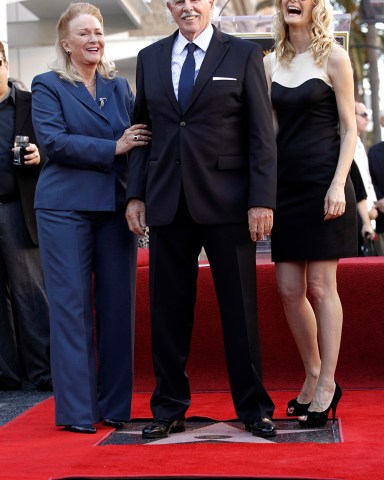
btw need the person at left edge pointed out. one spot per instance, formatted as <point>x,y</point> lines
<point>82,117</point>
<point>24,326</point>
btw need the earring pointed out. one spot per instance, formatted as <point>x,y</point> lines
<point>68,52</point>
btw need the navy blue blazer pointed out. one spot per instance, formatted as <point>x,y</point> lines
<point>78,136</point>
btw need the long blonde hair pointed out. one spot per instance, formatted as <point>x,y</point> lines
<point>63,66</point>
<point>321,29</point>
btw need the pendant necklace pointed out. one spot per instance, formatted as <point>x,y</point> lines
<point>92,84</point>
<point>89,87</point>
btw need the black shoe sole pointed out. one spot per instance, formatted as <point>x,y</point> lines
<point>265,435</point>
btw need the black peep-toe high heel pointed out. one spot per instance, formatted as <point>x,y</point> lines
<point>299,409</point>
<point>319,419</point>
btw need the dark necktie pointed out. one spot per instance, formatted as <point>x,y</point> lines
<point>187,77</point>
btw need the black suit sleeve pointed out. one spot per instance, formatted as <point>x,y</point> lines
<point>357,181</point>
<point>376,168</point>
<point>137,158</point>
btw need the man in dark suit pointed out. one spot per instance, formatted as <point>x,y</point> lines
<point>376,169</point>
<point>207,180</point>
<point>24,328</point>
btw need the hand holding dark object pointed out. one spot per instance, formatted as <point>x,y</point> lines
<point>25,153</point>
<point>20,143</point>
<point>30,155</point>
<point>368,233</point>
<point>368,248</point>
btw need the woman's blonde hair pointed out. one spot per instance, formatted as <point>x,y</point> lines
<point>321,29</point>
<point>63,65</point>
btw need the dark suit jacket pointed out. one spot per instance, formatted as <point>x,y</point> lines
<point>376,168</point>
<point>27,175</point>
<point>222,150</point>
<point>79,137</point>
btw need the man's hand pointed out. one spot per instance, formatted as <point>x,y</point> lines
<point>32,156</point>
<point>367,231</point>
<point>135,215</point>
<point>260,221</point>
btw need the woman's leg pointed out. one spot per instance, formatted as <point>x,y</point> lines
<point>329,315</point>
<point>291,281</point>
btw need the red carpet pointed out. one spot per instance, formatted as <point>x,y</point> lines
<point>33,449</point>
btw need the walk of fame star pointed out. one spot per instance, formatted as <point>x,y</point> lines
<point>288,431</point>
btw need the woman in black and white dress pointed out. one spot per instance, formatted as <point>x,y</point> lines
<point>311,87</point>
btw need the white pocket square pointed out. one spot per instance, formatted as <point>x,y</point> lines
<point>223,78</point>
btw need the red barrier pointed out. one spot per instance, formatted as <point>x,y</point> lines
<point>360,283</point>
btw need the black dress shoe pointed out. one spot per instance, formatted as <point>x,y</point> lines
<point>161,428</point>
<point>261,427</point>
<point>87,428</point>
<point>108,422</point>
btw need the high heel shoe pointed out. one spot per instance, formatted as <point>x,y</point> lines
<point>299,409</point>
<point>319,419</point>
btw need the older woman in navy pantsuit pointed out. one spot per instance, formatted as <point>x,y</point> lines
<point>82,117</point>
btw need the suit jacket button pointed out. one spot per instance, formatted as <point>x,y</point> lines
<point>178,162</point>
<point>182,124</point>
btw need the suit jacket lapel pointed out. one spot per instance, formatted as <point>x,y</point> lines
<point>213,57</point>
<point>104,89</point>
<point>164,65</point>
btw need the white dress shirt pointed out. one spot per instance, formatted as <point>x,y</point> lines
<point>361,160</point>
<point>179,54</point>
